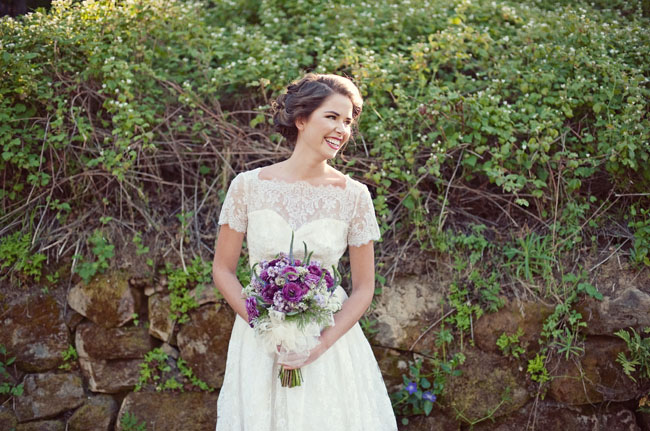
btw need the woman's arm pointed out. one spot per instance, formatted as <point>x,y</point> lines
<point>362,265</point>
<point>224,268</point>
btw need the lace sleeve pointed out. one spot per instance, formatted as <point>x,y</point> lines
<point>233,211</point>
<point>363,226</point>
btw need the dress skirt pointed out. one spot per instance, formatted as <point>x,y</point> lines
<point>342,390</point>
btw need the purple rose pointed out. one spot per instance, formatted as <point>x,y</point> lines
<point>290,273</point>
<point>264,275</point>
<point>293,292</point>
<point>315,269</point>
<point>268,291</point>
<point>297,262</point>
<point>328,280</point>
<point>251,309</point>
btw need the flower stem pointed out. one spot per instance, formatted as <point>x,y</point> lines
<point>290,378</point>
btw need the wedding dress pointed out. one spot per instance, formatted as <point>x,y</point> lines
<point>343,389</point>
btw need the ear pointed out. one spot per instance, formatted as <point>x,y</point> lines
<point>300,123</point>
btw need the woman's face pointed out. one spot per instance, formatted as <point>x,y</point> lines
<point>328,127</point>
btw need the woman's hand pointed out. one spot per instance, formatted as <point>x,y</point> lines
<point>313,355</point>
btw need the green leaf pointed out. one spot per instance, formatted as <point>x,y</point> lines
<point>428,406</point>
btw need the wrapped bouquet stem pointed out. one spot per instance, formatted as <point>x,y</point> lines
<point>289,302</point>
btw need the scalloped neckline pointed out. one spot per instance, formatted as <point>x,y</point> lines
<point>302,182</point>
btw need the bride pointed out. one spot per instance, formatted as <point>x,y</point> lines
<point>342,387</point>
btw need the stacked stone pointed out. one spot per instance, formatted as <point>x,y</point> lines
<point>94,392</point>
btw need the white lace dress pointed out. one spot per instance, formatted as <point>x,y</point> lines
<point>343,389</point>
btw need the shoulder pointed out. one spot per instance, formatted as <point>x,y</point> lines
<point>356,186</point>
<point>245,176</point>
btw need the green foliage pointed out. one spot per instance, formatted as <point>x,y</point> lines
<point>158,368</point>
<point>531,258</point>
<point>509,344</point>
<point>639,350</point>
<point>140,248</point>
<point>189,374</point>
<point>102,250</point>
<point>477,285</point>
<point>15,254</point>
<point>368,326</point>
<point>6,387</point>
<point>454,123</point>
<point>537,369</point>
<point>561,329</point>
<point>129,422</point>
<point>489,414</point>
<point>466,311</point>
<point>69,355</point>
<point>640,252</point>
<point>154,365</point>
<point>180,282</point>
<point>424,383</point>
<point>470,297</point>
<point>243,270</point>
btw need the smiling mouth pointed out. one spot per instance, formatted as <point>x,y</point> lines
<point>335,144</point>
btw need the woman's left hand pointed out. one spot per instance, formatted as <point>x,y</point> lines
<point>313,355</point>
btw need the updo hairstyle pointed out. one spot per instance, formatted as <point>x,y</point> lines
<point>305,95</point>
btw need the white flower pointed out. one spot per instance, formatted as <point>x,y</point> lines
<point>276,316</point>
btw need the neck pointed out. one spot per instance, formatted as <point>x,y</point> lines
<point>305,163</point>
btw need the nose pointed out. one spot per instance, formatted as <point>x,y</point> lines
<point>342,127</point>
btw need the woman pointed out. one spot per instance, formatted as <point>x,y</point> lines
<point>342,389</point>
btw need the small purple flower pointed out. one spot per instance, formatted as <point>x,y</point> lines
<point>411,388</point>
<point>251,309</point>
<point>264,275</point>
<point>297,262</point>
<point>428,396</point>
<point>320,300</point>
<point>312,279</point>
<point>291,273</point>
<point>293,292</point>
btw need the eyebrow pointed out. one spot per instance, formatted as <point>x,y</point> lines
<point>337,114</point>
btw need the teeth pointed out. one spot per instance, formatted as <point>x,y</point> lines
<point>333,142</point>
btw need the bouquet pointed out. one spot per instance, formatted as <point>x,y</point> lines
<point>288,304</point>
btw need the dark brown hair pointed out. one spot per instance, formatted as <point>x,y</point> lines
<point>305,95</point>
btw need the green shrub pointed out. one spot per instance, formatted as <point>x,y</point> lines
<point>509,344</point>
<point>156,369</point>
<point>129,422</point>
<point>639,351</point>
<point>16,256</point>
<point>181,282</point>
<point>102,250</point>
<point>6,387</point>
<point>640,252</point>
<point>517,108</point>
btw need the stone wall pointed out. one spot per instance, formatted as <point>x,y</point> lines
<point>95,391</point>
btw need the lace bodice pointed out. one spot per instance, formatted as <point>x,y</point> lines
<point>327,218</point>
